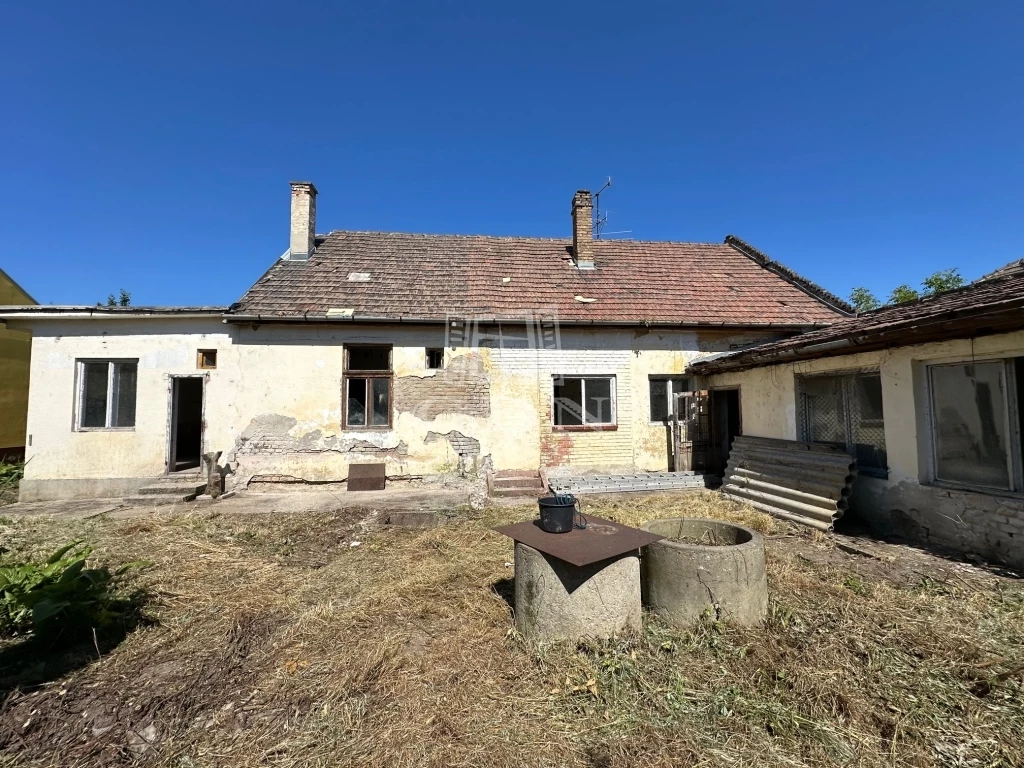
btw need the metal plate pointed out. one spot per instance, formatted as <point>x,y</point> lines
<point>600,540</point>
<point>366,477</point>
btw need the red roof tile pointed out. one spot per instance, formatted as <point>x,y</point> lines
<point>431,276</point>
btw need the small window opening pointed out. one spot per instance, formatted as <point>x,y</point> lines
<point>207,358</point>
<point>435,359</point>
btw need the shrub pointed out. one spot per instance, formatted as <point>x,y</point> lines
<point>62,596</point>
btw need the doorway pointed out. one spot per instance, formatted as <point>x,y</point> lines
<point>725,426</point>
<point>186,447</point>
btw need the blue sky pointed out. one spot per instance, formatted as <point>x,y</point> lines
<point>148,146</point>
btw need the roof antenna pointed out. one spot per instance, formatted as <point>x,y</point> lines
<point>600,221</point>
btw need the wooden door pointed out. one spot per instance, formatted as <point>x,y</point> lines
<point>691,431</point>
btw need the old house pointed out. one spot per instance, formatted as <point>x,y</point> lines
<point>15,347</point>
<point>433,354</point>
<point>927,396</point>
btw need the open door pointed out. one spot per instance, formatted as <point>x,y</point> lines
<point>725,426</point>
<point>691,431</point>
<point>186,433</point>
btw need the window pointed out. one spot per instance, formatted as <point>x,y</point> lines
<point>367,388</point>
<point>663,389</point>
<point>975,413</point>
<point>206,358</point>
<point>845,412</point>
<point>435,358</point>
<point>583,402</point>
<point>106,394</point>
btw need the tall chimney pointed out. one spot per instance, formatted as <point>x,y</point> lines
<point>583,229</point>
<point>303,237</point>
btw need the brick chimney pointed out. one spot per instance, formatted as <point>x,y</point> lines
<point>583,229</point>
<point>303,221</point>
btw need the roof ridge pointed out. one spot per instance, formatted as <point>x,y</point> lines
<point>808,286</point>
<point>515,237</point>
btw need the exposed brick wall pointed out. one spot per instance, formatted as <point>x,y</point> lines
<point>462,387</point>
<point>461,444</point>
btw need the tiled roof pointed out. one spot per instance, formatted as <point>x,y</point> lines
<point>427,277</point>
<point>992,305</point>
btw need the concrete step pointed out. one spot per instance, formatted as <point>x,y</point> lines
<point>172,489</point>
<point>518,482</point>
<point>158,499</point>
<point>533,491</point>
<point>504,473</point>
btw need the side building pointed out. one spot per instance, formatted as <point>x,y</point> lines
<point>15,351</point>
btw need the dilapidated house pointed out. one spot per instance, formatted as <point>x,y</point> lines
<point>433,354</point>
<point>929,398</point>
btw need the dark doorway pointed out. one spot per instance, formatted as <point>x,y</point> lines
<point>725,426</point>
<point>186,423</point>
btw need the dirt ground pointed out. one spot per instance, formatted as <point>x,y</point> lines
<point>284,632</point>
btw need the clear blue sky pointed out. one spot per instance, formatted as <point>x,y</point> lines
<point>148,146</point>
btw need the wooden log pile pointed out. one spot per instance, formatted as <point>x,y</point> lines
<point>806,483</point>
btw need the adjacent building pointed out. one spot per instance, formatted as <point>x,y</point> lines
<point>15,349</point>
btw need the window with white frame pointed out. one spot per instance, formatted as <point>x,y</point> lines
<point>845,411</point>
<point>975,423</point>
<point>583,401</point>
<point>106,394</point>
<point>662,390</point>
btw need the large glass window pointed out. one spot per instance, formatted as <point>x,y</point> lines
<point>845,412</point>
<point>662,390</point>
<point>107,393</point>
<point>367,388</point>
<point>970,421</point>
<point>583,401</point>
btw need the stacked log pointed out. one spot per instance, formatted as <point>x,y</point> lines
<point>806,483</point>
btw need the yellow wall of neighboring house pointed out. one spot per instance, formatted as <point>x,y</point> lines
<point>14,365</point>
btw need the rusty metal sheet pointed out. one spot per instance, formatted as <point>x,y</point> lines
<point>600,540</point>
<point>366,477</point>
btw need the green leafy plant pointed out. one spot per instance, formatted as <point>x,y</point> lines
<point>901,294</point>
<point>864,300</point>
<point>942,281</point>
<point>62,596</point>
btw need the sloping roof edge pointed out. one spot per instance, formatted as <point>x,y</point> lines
<point>809,287</point>
<point>17,285</point>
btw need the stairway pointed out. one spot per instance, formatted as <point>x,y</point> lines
<point>169,489</point>
<point>516,482</point>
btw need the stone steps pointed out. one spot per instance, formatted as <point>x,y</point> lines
<point>169,489</point>
<point>517,483</point>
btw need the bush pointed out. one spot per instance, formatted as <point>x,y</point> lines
<point>61,596</point>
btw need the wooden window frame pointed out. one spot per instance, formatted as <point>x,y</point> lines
<point>199,359</point>
<point>348,375</point>
<point>603,427</point>
<point>669,377</point>
<point>79,409</point>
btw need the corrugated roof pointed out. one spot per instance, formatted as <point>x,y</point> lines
<point>393,276</point>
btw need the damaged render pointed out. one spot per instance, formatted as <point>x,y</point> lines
<point>270,433</point>
<point>463,387</point>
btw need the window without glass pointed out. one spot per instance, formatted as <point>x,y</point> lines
<point>845,412</point>
<point>367,388</point>
<point>435,358</point>
<point>973,408</point>
<point>206,358</point>
<point>583,401</point>
<point>106,394</point>
<point>662,391</point>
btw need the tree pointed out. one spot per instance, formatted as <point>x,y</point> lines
<point>864,300</point>
<point>123,300</point>
<point>901,294</point>
<point>942,281</point>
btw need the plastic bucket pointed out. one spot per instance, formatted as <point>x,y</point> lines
<point>557,512</point>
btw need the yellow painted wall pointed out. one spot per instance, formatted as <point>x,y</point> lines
<point>15,348</point>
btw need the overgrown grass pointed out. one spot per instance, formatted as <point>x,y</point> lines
<point>11,474</point>
<point>281,644</point>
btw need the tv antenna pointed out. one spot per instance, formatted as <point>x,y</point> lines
<point>600,220</point>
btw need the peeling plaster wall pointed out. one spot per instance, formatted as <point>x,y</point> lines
<point>908,503</point>
<point>273,404</point>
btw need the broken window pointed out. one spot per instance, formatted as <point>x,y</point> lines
<point>367,388</point>
<point>973,408</point>
<point>583,401</point>
<point>435,359</point>
<point>206,358</point>
<point>106,394</point>
<point>663,389</point>
<point>845,412</point>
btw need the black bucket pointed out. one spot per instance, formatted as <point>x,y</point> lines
<point>557,513</point>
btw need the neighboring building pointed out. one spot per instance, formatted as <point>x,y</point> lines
<point>430,353</point>
<point>929,396</point>
<point>15,348</point>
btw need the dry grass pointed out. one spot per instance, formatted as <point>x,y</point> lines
<point>280,644</point>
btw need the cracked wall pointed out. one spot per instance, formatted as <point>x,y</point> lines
<point>461,388</point>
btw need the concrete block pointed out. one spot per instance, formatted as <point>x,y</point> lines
<point>410,519</point>
<point>555,599</point>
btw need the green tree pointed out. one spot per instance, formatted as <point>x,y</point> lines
<point>942,281</point>
<point>864,300</point>
<point>123,300</point>
<point>901,294</point>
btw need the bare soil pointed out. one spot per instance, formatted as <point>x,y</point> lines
<point>279,640</point>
